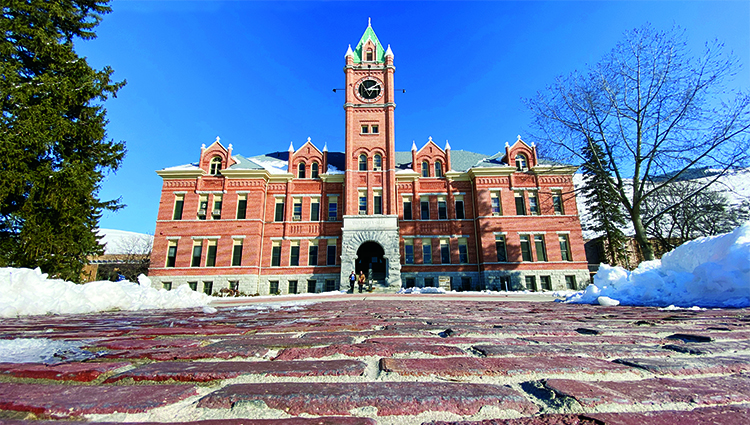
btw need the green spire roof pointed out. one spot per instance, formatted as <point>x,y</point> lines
<point>369,35</point>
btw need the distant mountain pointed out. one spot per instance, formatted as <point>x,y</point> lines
<point>124,242</point>
<point>735,185</point>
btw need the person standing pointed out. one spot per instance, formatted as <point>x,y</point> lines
<point>352,279</point>
<point>361,281</point>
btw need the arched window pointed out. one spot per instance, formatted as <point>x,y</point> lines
<point>363,162</point>
<point>215,165</point>
<point>377,162</point>
<point>314,170</point>
<point>521,163</point>
<point>425,169</point>
<point>301,170</point>
<point>438,169</point>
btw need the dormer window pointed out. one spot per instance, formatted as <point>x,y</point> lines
<point>301,170</point>
<point>215,165</point>
<point>369,55</point>
<point>425,169</point>
<point>522,163</point>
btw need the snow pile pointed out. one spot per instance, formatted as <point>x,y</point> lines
<point>428,290</point>
<point>706,272</point>
<point>29,292</point>
<point>41,350</point>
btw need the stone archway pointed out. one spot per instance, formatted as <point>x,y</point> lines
<point>372,234</point>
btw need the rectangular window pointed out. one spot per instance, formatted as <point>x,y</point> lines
<point>237,253</point>
<point>505,283</point>
<point>172,254</point>
<point>297,209</point>
<point>202,207</point>
<point>526,248</point>
<point>167,286</point>
<point>424,204</point>
<point>273,287</point>
<point>179,201</point>
<point>331,253</point>
<point>362,202</point>
<point>409,252</point>
<point>460,214</point>
<point>242,207</point>
<point>294,254</point>
<point>279,211</point>
<point>375,129</point>
<point>531,283</point>
<point>463,251</point>
<point>570,282</point>
<point>365,129</point>
<point>429,282</point>
<point>410,282</point>
<point>377,202</point>
<point>332,208</point>
<point>208,288</point>
<point>442,209</point>
<point>502,253</point>
<point>465,283</point>
<point>211,254</point>
<point>312,254</point>
<point>564,248</point>
<point>533,204</point>
<point>495,202</point>
<point>216,211</point>
<point>315,209</point>
<point>557,203</point>
<point>426,251</point>
<point>330,285</point>
<point>407,208</point>
<point>193,286</point>
<point>520,204</point>
<point>312,286</point>
<point>292,286</point>
<point>276,254</point>
<point>234,285</point>
<point>546,283</point>
<point>445,252</point>
<point>197,251</point>
<point>541,251</point>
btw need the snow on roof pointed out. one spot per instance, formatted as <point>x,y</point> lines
<point>191,166</point>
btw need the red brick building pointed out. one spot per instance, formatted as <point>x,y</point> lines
<point>302,220</point>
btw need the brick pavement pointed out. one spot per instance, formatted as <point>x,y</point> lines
<point>415,360</point>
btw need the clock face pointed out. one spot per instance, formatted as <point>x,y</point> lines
<point>369,89</point>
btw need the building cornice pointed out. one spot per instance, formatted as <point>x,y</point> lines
<point>554,169</point>
<point>491,171</point>
<point>181,174</point>
<point>332,178</point>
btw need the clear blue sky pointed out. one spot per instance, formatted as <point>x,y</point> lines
<point>261,74</point>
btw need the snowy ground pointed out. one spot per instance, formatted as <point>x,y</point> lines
<point>706,272</point>
<point>25,292</point>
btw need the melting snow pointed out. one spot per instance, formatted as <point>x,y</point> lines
<point>26,292</point>
<point>706,272</point>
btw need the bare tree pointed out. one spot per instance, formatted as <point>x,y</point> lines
<point>707,213</point>
<point>132,258</point>
<point>655,110</point>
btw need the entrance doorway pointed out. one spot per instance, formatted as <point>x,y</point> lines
<point>370,257</point>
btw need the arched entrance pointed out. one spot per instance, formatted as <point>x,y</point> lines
<point>370,257</point>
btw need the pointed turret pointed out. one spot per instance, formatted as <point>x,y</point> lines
<point>369,41</point>
<point>414,156</point>
<point>447,156</point>
<point>289,167</point>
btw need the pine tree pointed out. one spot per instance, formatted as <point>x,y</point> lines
<point>53,147</point>
<point>606,216</point>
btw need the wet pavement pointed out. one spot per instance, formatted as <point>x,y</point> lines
<point>386,360</point>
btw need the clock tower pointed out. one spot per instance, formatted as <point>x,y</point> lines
<point>370,240</point>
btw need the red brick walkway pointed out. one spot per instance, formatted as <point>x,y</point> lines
<point>397,361</point>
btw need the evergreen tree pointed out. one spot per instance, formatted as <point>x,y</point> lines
<point>53,147</point>
<point>606,216</point>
